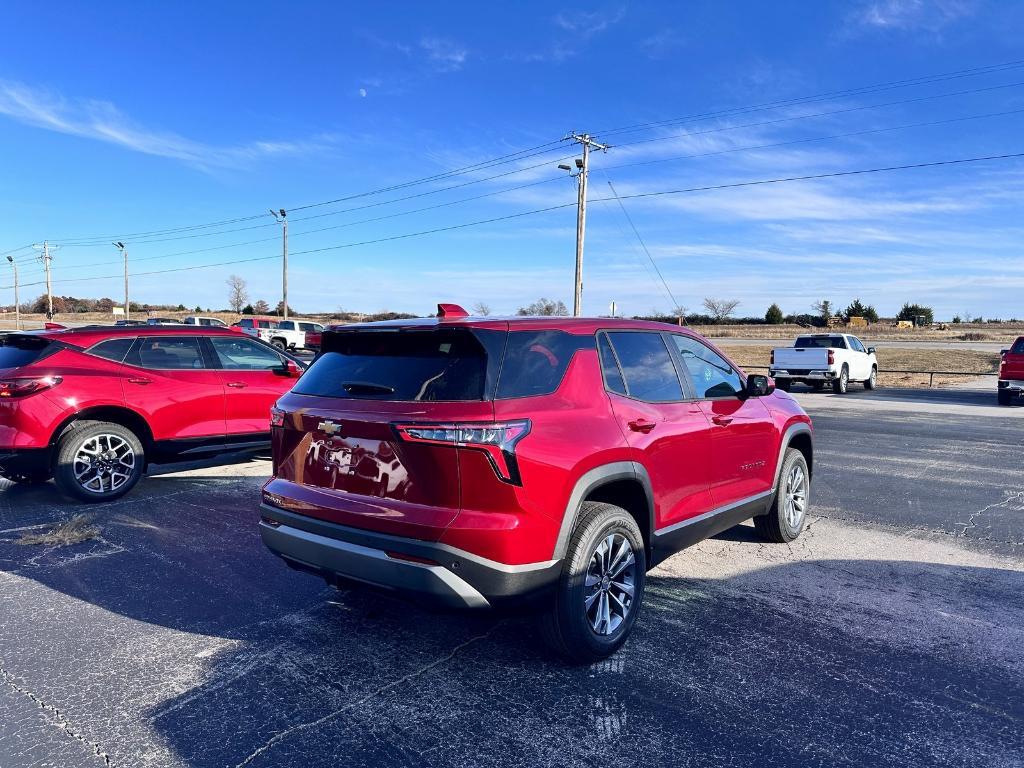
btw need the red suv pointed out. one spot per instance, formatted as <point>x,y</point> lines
<point>478,462</point>
<point>91,406</point>
<point>1011,373</point>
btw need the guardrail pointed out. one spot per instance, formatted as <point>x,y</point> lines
<point>931,374</point>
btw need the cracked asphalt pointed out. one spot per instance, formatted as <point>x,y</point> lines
<point>890,633</point>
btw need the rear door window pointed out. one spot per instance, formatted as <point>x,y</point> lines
<point>1018,347</point>
<point>610,366</point>
<point>444,365</point>
<point>243,354</point>
<point>16,351</point>
<point>646,366</point>
<point>535,361</point>
<point>167,353</point>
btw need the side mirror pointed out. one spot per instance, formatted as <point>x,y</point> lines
<point>290,369</point>
<point>871,350</point>
<point>759,385</point>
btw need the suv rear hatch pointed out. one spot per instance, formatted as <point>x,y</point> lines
<point>1012,365</point>
<point>19,350</point>
<point>370,435</point>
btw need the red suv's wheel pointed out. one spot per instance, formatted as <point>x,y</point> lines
<point>785,519</point>
<point>98,461</point>
<point>601,587</point>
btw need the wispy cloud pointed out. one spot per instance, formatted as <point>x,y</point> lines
<point>103,121</point>
<point>661,44</point>
<point>908,15</point>
<point>446,55</point>
<point>589,23</point>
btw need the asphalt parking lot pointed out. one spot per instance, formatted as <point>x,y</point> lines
<point>890,633</point>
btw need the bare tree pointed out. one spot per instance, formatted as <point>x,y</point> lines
<point>824,309</point>
<point>481,309</point>
<point>261,307</point>
<point>544,307</point>
<point>720,309</point>
<point>238,296</point>
<point>680,313</point>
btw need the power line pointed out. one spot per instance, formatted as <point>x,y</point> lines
<point>634,196</point>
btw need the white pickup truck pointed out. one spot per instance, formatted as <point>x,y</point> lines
<point>283,334</point>
<point>825,358</point>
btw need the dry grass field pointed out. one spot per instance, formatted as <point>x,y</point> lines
<point>958,360</point>
<point>993,332</point>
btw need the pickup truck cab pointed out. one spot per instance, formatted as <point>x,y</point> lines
<point>1011,373</point>
<point>206,322</point>
<point>300,334</point>
<point>825,358</point>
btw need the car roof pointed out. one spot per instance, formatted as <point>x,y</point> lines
<point>88,335</point>
<point>574,325</point>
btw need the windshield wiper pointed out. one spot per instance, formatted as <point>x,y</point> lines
<point>367,387</point>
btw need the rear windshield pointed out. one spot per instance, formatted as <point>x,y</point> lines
<point>400,365</point>
<point>444,365</point>
<point>1018,347</point>
<point>16,351</point>
<point>835,342</point>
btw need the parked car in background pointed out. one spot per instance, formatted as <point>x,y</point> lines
<point>258,327</point>
<point>122,322</point>
<point>309,330</point>
<point>822,359</point>
<point>91,407</point>
<point>1011,373</point>
<point>478,462</point>
<point>206,322</point>
<point>162,321</point>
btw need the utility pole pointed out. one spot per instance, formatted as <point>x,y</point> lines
<point>582,171</point>
<point>282,218</point>
<point>17,305</point>
<point>124,253</point>
<point>46,258</point>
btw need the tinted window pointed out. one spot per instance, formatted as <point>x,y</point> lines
<point>245,323</point>
<point>535,361</point>
<point>712,376</point>
<point>815,342</point>
<point>286,325</point>
<point>112,349</point>
<point>1018,347</point>
<point>266,324</point>
<point>16,351</point>
<point>610,366</point>
<point>646,366</point>
<point>311,327</point>
<point>856,345</point>
<point>244,355</point>
<point>399,365</point>
<point>167,353</point>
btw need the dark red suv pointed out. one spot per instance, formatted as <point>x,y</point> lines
<point>480,462</point>
<point>91,406</point>
<point>1011,373</point>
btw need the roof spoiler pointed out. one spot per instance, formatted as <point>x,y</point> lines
<point>54,327</point>
<point>451,312</point>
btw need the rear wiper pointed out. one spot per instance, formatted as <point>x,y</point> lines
<point>366,386</point>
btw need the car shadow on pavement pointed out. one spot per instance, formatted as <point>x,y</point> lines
<point>208,651</point>
<point>936,396</point>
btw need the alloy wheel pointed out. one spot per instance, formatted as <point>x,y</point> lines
<point>795,505</point>
<point>610,584</point>
<point>104,463</point>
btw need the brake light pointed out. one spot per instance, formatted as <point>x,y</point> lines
<point>498,441</point>
<point>773,357</point>
<point>276,417</point>
<point>831,356</point>
<point>11,388</point>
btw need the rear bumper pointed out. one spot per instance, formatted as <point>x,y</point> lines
<point>1013,386</point>
<point>799,375</point>
<point>25,461</point>
<point>436,573</point>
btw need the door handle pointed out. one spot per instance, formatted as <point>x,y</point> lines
<point>237,384</point>
<point>140,381</point>
<point>641,425</point>
<point>722,421</point>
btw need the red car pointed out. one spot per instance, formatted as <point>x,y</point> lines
<point>91,406</point>
<point>1011,373</point>
<point>478,462</point>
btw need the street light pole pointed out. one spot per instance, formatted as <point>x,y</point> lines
<point>583,171</point>
<point>17,304</point>
<point>282,218</point>
<point>124,253</point>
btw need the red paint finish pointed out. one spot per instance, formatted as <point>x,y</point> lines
<point>350,461</point>
<point>1012,364</point>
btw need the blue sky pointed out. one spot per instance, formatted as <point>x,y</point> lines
<point>124,118</point>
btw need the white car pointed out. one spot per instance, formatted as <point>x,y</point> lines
<point>283,334</point>
<point>293,329</point>
<point>825,358</point>
<point>206,322</point>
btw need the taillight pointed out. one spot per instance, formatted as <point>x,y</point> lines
<point>831,356</point>
<point>773,357</point>
<point>10,388</point>
<point>276,417</point>
<point>498,441</point>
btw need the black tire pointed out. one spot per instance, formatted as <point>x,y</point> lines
<point>1003,397</point>
<point>29,478</point>
<point>783,385</point>
<point>120,463</point>
<point>872,382</point>
<point>566,626</point>
<point>279,344</point>
<point>776,525</point>
<point>840,385</point>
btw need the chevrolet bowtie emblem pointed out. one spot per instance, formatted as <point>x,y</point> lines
<point>329,427</point>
